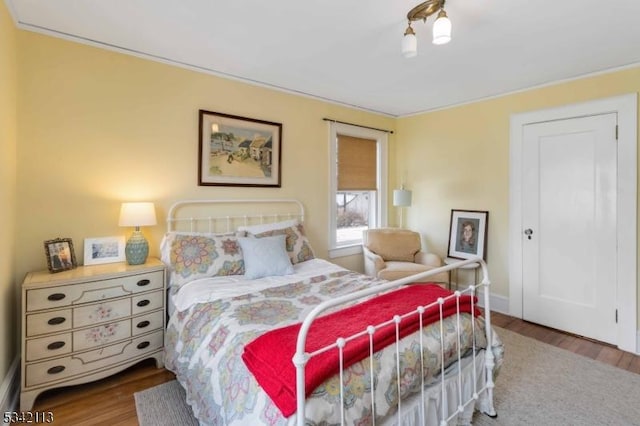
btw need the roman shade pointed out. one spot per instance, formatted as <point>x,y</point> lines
<point>357,164</point>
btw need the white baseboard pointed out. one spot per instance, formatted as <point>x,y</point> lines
<point>498,303</point>
<point>638,342</point>
<point>10,388</point>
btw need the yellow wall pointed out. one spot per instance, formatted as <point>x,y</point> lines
<point>98,127</point>
<point>8,83</point>
<point>458,158</point>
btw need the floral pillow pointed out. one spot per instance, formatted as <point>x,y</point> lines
<point>298,246</point>
<point>194,256</point>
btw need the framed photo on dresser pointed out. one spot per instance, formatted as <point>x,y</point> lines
<point>104,250</point>
<point>60,254</point>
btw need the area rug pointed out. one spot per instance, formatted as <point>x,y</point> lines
<point>164,405</point>
<point>538,385</point>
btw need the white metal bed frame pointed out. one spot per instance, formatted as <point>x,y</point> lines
<point>301,357</point>
<point>227,223</point>
<point>295,209</point>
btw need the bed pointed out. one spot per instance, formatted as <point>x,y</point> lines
<point>257,331</point>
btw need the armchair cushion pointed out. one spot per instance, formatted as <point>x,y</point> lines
<point>395,270</point>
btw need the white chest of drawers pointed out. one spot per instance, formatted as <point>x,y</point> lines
<point>88,323</point>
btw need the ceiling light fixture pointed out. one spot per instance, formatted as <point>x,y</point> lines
<point>441,26</point>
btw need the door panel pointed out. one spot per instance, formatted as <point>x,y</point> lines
<point>569,203</point>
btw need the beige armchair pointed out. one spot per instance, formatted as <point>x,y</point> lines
<point>392,253</point>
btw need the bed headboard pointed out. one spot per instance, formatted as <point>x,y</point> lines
<point>217,215</point>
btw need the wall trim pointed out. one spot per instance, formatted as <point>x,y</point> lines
<point>10,387</point>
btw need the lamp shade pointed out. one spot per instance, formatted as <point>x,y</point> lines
<point>409,45</point>
<point>137,214</point>
<point>442,29</point>
<point>401,197</point>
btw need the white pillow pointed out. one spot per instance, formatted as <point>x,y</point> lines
<point>265,257</point>
<point>264,227</point>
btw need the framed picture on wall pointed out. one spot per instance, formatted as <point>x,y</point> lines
<point>60,254</point>
<point>468,234</point>
<point>103,250</point>
<point>238,151</point>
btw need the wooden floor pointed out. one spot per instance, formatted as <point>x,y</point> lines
<point>104,402</point>
<point>110,401</point>
<point>595,350</point>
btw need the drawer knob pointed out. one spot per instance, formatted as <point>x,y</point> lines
<point>56,296</point>
<point>143,324</point>
<point>55,370</point>
<point>56,320</point>
<point>143,345</point>
<point>142,303</point>
<point>55,345</point>
<point>142,283</point>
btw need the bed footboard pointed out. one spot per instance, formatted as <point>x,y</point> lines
<point>460,404</point>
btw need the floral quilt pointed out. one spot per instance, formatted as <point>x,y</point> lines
<point>204,345</point>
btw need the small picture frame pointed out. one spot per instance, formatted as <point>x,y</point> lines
<point>60,254</point>
<point>104,250</point>
<point>468,234</point>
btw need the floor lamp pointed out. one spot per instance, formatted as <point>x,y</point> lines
<point>401,198</point>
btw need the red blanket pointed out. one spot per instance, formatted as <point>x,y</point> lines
<point>269,357</point>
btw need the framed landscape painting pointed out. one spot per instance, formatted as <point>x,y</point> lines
<point>238,151</point>
<point>468,234</point>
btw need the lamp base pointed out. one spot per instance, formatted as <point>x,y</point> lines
<point>137,249</point>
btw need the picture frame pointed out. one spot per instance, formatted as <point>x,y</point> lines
<point>60,255</point>
<point>238,151</point>
<point>104,250</point>
<point>468,234</point>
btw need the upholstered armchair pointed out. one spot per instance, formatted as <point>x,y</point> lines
<point>392,253</point>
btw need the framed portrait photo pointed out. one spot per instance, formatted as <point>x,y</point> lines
<point>60,254</point>
<point>238,151</point>
<point>103,250</point>
<point>468,234</point>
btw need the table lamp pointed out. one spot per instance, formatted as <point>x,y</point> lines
<point>137,215</point>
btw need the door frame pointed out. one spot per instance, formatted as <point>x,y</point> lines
<point>626,293</point>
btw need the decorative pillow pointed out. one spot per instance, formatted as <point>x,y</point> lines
<point>192,256</point>
<point>265,227</point>
<point>298,245</point>
<point>265,257</point>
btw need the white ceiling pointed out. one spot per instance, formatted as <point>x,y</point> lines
<point>348,51</point>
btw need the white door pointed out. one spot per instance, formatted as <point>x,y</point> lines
<point>569,225</point>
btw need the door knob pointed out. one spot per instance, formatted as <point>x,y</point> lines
<point>528,232</point>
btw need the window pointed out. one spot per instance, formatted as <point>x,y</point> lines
<point>358,186</point>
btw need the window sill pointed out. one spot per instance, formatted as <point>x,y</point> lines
<point>345,251</point>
